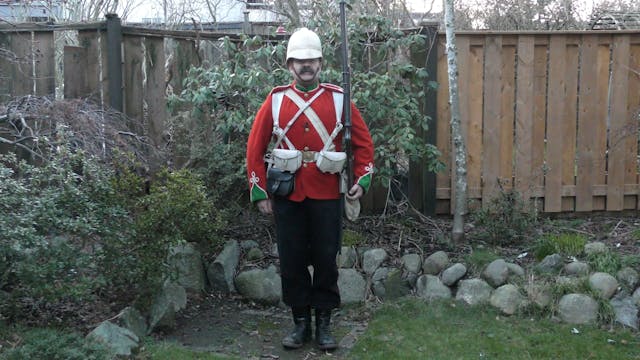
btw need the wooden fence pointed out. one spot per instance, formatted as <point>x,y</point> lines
<point>553,115</point>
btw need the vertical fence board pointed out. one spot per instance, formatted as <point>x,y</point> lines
<point>492,136</point>
<point>155,89</point>
<point>601,114</point>
<point>184,56</point>
<point>555,136</point>
<point>6,83</point>
<point>133,77</point>
<point>569,120</point>
<point>507,115</point>
<point>524,116</point>
<point>539,115</point>
<point>618,121</point>
<point>91,40</point>
<point>45,80</point>
<point>474,139</point>
<point>22,69</point>
<point>633,117</point>
<point>75,82</point>
<point>443,179</point>
<point>586,123</point>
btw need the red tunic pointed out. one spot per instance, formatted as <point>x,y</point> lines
<point>309,181</point>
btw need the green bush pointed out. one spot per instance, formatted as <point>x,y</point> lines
<point>53,218</point>
<point>54,344</point>
<point>506,220</point>
<point>608,262</point>
<point>568,244</point>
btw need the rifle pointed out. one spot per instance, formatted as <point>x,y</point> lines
<point>346,104</point>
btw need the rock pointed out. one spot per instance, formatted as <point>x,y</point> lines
<point>628,277</point>
<point>507,298</point>
<point>496,273</point>
<point>249,244</point>
<point>603,284</point>
<point>626,311</point>
<point>185,265</point>
<point>576,268</point>
<point>454,273</point>
<point>595,247</point>
<point>171,299</point>
<point>430,287</point>
<point>636,296</point>
<point>347,257</point>
<point>411,263</point>
<point>260,285</point>
<point>515,270</point>
<point>550,264</point>
<point>578,309</point>
<point>254,254</point>
<point>352,286</point>
<point>372,259</point>
<point>130,318</point>
<point>539,294</point>
<point>395,286</point>
<point>221,271</point>
<point>120,341</point>
<point>435,263</point>
<point>474,291</point>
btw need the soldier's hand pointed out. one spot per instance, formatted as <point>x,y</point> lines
<point>264,206</point>
<point>355,192</point>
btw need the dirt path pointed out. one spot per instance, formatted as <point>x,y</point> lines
<point>227,325</point>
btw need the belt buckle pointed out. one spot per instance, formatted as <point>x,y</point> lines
<point>308,156</point>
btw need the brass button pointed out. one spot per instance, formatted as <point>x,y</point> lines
<point>306,148</point>
<point>306,129</point>
<point>305,164</point>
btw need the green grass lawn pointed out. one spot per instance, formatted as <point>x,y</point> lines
<point>413,329</point>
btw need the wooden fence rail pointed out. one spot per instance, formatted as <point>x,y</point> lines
<point>553,115</point>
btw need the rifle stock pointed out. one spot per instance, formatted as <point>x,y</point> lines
<point>346,86</point>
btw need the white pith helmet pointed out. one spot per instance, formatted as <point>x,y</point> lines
<point>304,44</point>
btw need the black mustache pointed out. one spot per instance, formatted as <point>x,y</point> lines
<point>307,69</point>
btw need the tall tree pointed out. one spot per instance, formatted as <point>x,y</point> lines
<point>457,232</point>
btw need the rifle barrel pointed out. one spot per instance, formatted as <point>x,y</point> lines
<point>346,85</point>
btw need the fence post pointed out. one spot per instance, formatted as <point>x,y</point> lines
<point>114,61</point>
<point>422,183</point>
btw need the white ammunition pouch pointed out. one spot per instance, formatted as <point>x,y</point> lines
<point>331,161</point>
<point>286,160</point>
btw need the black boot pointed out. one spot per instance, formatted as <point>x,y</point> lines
<point>324,339</point>
<point>301,332</point>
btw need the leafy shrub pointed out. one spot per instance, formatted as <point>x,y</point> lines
<point>569,244</point>
<point>54,344</point>
<point>352,238</point>
<point>53,218</point>
<point>176,210</point>
<point>479,258</point>
<point>506,220</point>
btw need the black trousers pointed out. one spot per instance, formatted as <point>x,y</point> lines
<point>309,233</point>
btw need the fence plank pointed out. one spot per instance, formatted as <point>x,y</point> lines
<point>22,69</point>
<point>555,137</point>
<point>155,89</point>
<point>586,123</point>
<point>633,117</point>
<point>507,112</point>
<point>443,179</point>
<point>539,111</point>
<point>569,121</point>
<point>6,83</point>
<point>45,80</point>
<point>492,136</point>
<point>133,77</point>
<point>75,82</point>
<point>184,56</point>
<point>618,121</point>
<point>93,41</point>
<point>601,114</point>
<point>524,116</point>
<point>474,140</point>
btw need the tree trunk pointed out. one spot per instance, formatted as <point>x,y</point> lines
<point>460,205</point>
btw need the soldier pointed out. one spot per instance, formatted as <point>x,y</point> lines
<point>300,180</point>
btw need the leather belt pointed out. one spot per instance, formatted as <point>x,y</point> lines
<point>309,156</point>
